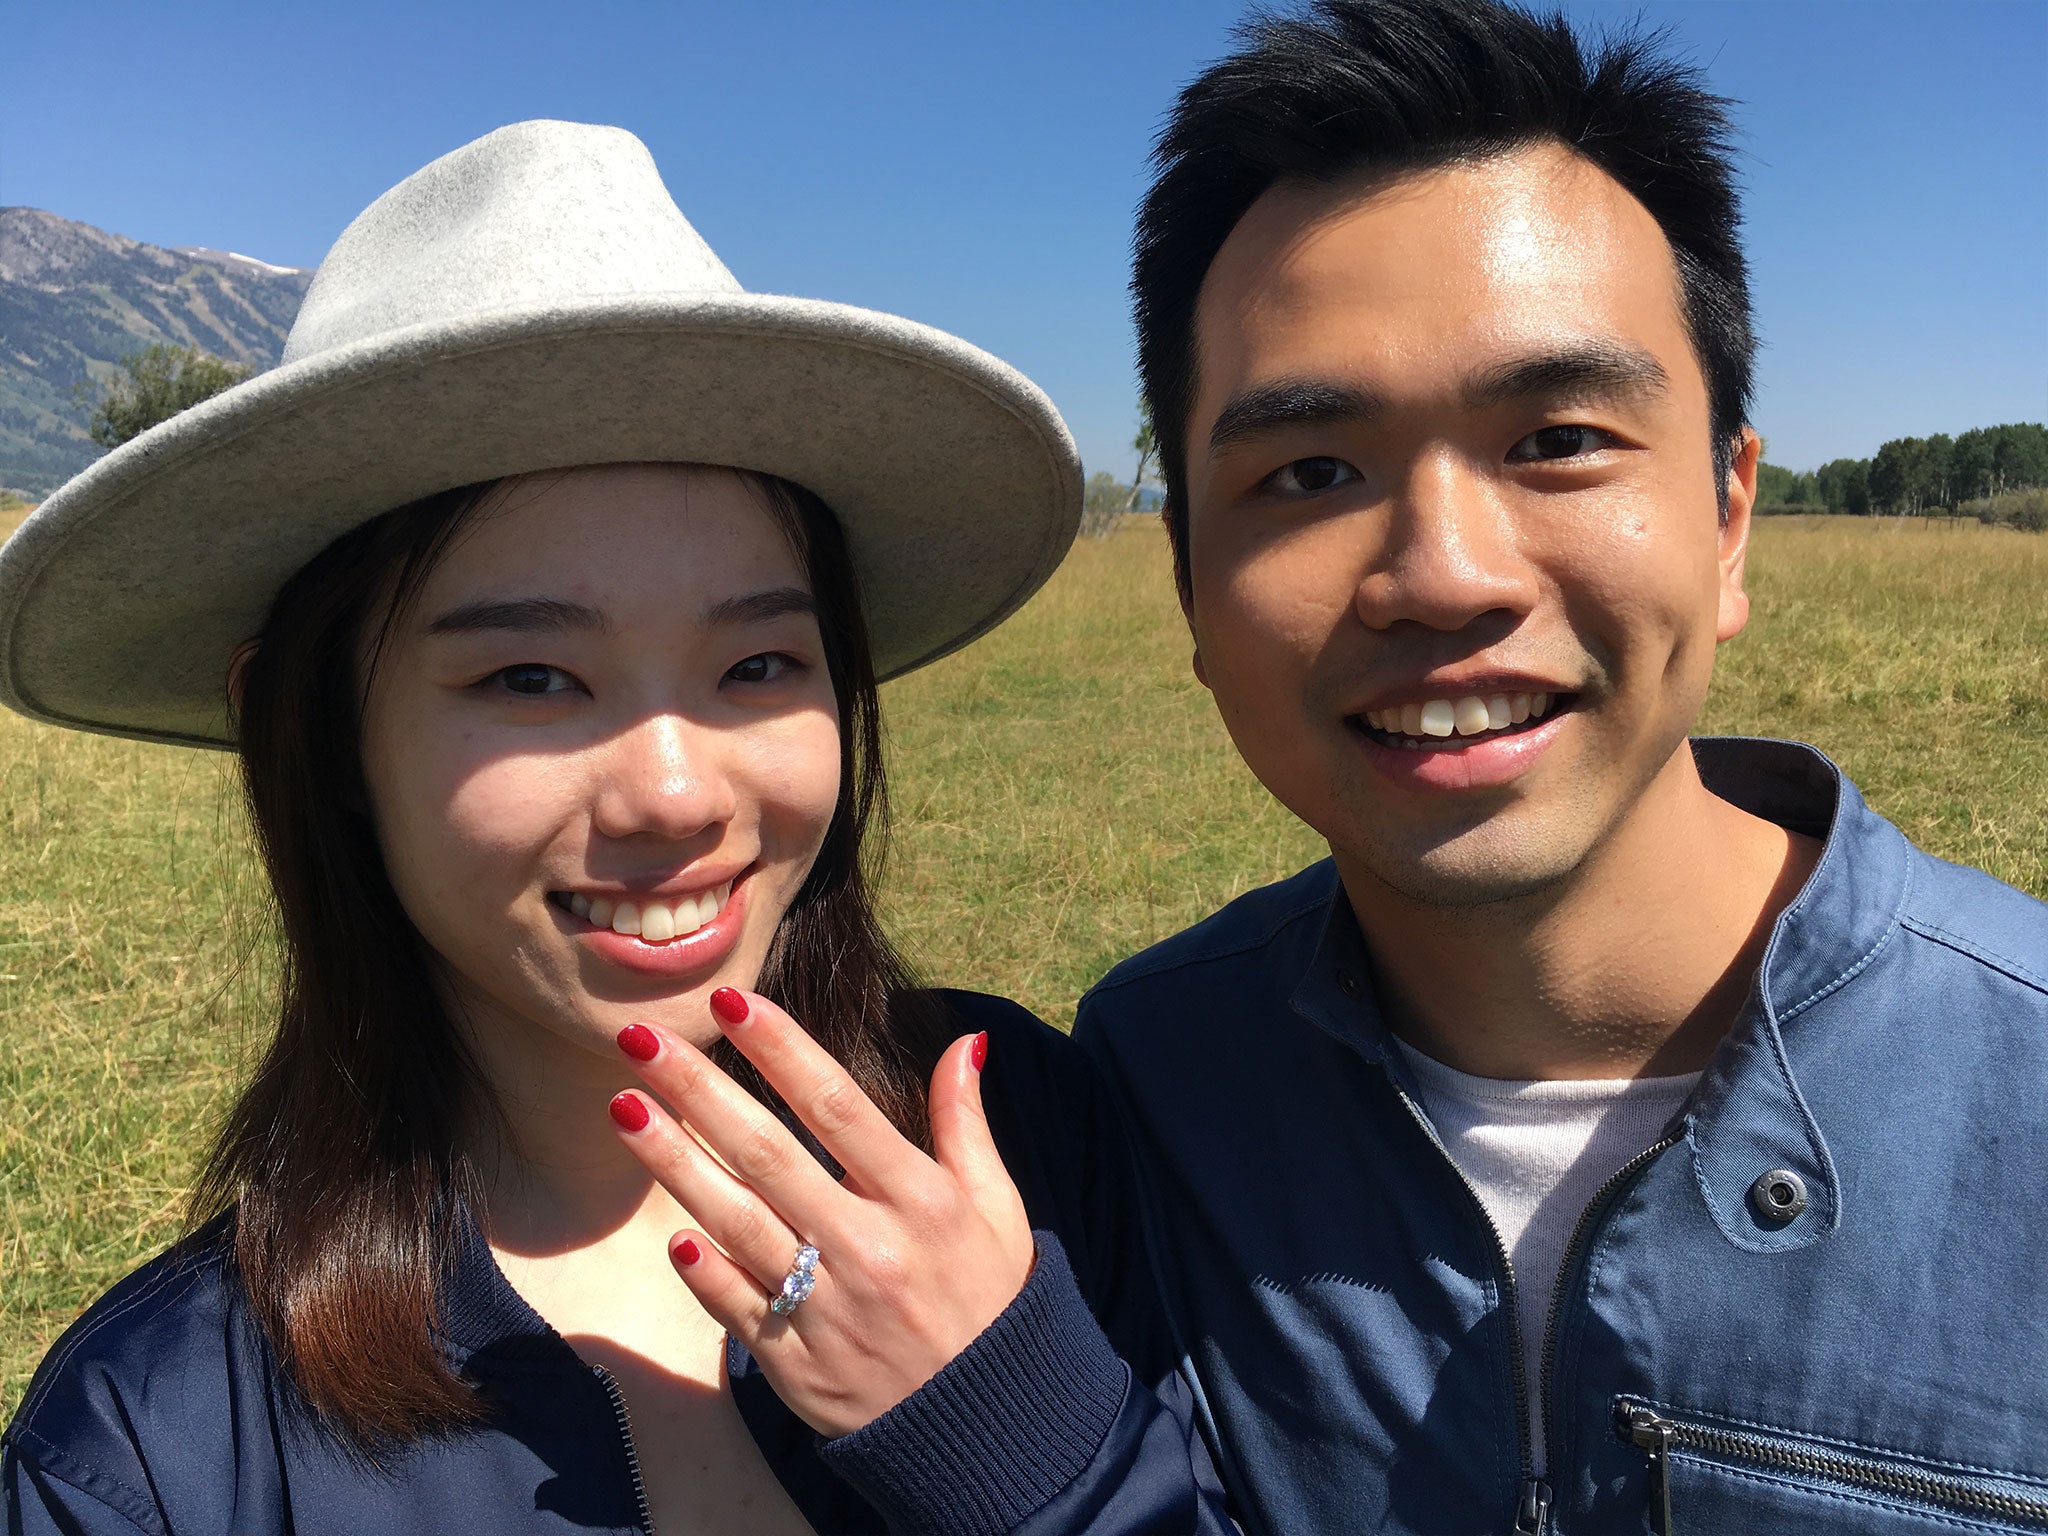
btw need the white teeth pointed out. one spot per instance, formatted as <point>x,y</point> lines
<point>653,921</point>
<point>1470,717</point>
<point>1467,716</point>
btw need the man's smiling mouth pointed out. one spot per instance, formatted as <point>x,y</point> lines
<point>656,922</point>
<point>1435,725</point>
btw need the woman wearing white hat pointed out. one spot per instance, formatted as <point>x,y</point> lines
<point>561,747</point>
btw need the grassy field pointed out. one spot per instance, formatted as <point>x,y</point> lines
<point>1064,794</point>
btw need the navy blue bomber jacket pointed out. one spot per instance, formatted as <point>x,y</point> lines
<point>162,1410</point>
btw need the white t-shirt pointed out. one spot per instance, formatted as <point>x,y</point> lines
<point>1536,1153</point>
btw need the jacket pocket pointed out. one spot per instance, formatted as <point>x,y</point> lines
<point>1709,1476</point>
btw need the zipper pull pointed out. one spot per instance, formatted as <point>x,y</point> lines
<point>1533,1518</point>
<point>1654,1435</point>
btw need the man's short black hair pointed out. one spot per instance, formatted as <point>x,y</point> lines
<point>1361,87</point>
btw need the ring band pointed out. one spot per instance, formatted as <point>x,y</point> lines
<point>798,1284</point>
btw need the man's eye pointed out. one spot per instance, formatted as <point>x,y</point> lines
<point>1558,443</point>
<point>1305,477</point>
<point>767,667</point>
<point>532,678</point>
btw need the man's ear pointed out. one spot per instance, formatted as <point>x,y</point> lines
<point>1201,672</point>
<point>1740,495</point>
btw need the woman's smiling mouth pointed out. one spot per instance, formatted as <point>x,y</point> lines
<point>651,920</point>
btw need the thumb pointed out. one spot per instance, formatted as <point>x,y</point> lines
<point>960,1135</point>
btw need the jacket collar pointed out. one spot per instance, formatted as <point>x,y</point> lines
<point>1747,1115</point>
<point>479,1310</point>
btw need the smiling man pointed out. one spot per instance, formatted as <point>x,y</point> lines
<point>1617,1125</point>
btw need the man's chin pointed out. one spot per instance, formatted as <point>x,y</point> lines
<point>1487,867</point>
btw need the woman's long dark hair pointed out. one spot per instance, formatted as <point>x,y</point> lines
<point>343,1160</point>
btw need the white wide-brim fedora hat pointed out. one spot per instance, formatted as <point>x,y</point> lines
<point>534,300</point>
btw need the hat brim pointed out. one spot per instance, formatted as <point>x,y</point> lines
<point>123,597</point>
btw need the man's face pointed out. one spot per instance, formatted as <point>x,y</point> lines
<point>1450,450</point>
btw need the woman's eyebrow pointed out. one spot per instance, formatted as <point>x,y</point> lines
<point>760,607</point>
<point>529,615</point>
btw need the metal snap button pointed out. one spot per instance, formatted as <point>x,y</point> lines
<point>1778,1195</point>
<point>1349,984</point>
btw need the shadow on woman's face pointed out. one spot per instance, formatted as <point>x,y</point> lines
<point>602,750</point>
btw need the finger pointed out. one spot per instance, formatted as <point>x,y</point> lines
<point>961,1139</point>
<point>820,1091</point>
<point>735,1300</point>
<point>737,1128</point>
<point>734,1216</point>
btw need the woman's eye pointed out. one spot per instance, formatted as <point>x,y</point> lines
<point>1305,477</point>
<point>767,667</point>
<point>1551,443</point>
<point>532,678</point>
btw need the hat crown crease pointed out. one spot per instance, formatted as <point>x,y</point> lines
<point>538,214</point>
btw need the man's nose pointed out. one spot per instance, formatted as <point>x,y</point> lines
<point>664,777</point>
<point>1450,553</point>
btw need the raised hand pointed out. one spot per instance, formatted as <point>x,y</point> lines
<point>916,1254</point>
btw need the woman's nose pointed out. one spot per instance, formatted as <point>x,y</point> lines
<point>1450,555</point>
<point>663,777</point>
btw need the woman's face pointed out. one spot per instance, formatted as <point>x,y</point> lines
<point>602,750</point>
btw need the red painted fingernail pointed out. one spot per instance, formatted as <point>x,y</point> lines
<point>639,1042</point>
<point>628,1113</point>
<point>729,1005</point>
<point>685,1254</point>
<point>977,1053</point>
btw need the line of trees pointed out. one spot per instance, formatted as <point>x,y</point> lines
<point>1918,476</point>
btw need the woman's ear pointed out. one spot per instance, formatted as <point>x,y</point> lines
<point>238,673</point>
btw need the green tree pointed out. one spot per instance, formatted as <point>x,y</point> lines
<point>2019,455</point>
<point>153,386</point>
<point>1845,485</point>
<point>1147,444</point>
<point>1937,456</point>
<point>1773,485</point>
<point>1103,503</point>
<point>1891,475</point>
<point>1970,463</point>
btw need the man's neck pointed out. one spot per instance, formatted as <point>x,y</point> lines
<point>1635,966</point>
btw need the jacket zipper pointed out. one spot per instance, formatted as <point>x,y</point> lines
<point>1658,1435</point>
<point>1532,1503</point>
<point>611,1390</point>
<point>1532,1510</point>
<point>1593,1209</point>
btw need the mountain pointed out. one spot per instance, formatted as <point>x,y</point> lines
<point>74,299</point>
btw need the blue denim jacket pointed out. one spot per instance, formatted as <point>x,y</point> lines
<point>1820,1304</point>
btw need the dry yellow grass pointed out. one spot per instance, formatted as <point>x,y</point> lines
<point>1064,794</point>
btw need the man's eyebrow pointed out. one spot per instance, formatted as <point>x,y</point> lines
<point>1291,403</point>
<point>529,615</point>
<point>760,607</point>
<point>1595,369</point>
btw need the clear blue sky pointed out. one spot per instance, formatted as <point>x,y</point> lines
<point>974,163</point>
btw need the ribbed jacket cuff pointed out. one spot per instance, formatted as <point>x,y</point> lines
<point>1008,1423</point>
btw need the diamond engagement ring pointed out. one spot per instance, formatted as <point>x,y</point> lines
<point>798,1284</point>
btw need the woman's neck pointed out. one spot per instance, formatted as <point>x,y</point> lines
<point>553,1175</point>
